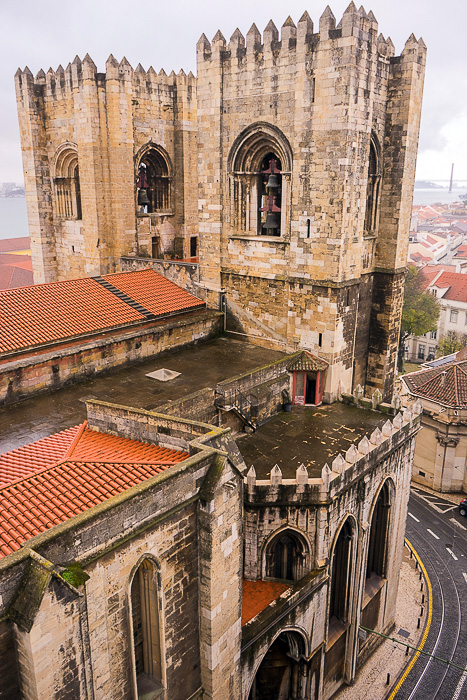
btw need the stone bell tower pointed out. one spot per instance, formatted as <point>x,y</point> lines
<point>339,114</point>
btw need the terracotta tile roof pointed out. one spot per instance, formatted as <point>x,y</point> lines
<point>457,283</point>
<point>57,311</point>
<point>27,460</point>
<point>153,291</point>
<point>446,384</point>
<point>306,362</point>
<point>257,595</point>
<point>51,480</point>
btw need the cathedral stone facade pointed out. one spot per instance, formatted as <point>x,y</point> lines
<point>286,166</point>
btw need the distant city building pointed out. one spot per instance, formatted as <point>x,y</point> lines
<point>441,445</point>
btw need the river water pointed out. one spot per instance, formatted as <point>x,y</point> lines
<point>14,220</point>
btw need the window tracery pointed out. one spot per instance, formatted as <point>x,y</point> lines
<point>66,184</point>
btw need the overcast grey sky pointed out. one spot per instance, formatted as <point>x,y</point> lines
<point>47,33</point>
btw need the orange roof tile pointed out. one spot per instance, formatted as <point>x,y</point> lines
<point>51,480</point>
<point>53,312</point>
<point>257,595</point>
<point>457,283</point>
<point>54,495</point>
<point>153,291</point>
<point>27,460</point>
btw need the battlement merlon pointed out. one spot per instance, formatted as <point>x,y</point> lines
<point>355,23</point>
<point>61,81</point>
<point>344,470</point>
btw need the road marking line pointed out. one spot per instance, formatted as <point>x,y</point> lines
<point>413,516</point>
<point>452,554</point>
<point>453,520</point>
<point>432,533</point>
<point>427,624</point>
<point>458,689</point>
<point>445,506</point>
<point>465,577</point>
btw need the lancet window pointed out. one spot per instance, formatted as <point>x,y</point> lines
<point>373,189</point>
<point>286,557</point>
<point>153,183</point>
<point>146,631</point>
<point>67,186</point>
<point>377,548</point>
<point>260,165</point>
<point>341,574</point>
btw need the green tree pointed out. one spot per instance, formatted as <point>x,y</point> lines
<point>420,312</point>
<point>451,342</point>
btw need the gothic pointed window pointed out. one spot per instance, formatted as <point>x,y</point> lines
<point>373,190</point>
<point>340,575</point>
<point>286,557</point>
<point>260,165</point>
<point>377,548</point>
<point>66,185</point>
<point>146,631</point>
<point>153,183</point>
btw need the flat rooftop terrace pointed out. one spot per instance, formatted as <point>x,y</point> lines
<point>200,366</point>
<point>307,435</point>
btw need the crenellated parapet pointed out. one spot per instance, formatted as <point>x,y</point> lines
<point>355,463</point>
<point>294,37</point>
<point>62,81</point>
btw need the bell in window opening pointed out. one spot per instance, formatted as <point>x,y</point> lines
<point>271,190</point>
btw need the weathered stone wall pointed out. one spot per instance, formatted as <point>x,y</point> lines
<point>186,275</point>
<point>317,508</point>
<point>9,679</point>
<point>34,374</point>
<point>187,520</point>
<point>315,99</point>
<point>122,111</point>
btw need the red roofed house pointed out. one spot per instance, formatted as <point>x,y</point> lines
<point>450,287</point>
<point>441,446</point>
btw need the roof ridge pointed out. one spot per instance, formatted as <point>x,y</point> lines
<point>76,439</point>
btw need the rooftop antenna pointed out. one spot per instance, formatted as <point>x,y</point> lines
<point>452,175</point>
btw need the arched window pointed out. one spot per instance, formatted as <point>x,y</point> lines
<point>340,574</point>
<point>286,556</point>
<point>259,166</point>
<point>377,548</point>
<point>282,670</point>
<point>146,631</point>
<point>373,189</point>
<point>153,182</point>
<point>66,184</point>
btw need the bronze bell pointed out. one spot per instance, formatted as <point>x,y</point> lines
<point>273,181</point>
<point>143,198</point>
<point>272,221</point>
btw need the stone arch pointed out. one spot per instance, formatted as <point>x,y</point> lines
<point>286,551</point>
<point>158,172</point>
<point>259,167</point>
<point>380,524</point>
<point>67,190</point>
<point>341,559</point>
<point>146,626</point>
<point>373,192</point>
<point>287,652</point>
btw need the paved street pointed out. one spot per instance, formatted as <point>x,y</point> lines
<point>439,535</point>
